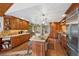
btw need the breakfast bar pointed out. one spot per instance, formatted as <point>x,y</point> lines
<point>39,45</point>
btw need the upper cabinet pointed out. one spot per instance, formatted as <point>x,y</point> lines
<point>72,8</point>
<point>13,23</point>
<point>72,18</point>
<point>4,7</point>
<point>72,14</point>
<point>54,29</point>
<point>63,25</point>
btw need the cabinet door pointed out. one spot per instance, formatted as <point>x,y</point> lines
<point>38,49</point>
<point>13,23</point>
<point>14,41</point>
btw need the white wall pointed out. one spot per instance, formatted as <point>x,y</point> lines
<point>1,24</point>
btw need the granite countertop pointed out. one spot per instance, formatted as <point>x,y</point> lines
<point>12,34</point>
<point>40,38</point>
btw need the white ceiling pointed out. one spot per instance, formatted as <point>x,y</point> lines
<point>33,11</point>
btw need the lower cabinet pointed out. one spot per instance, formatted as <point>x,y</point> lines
<point>50,43</point>
<point>63,41</point>
<point>18,40</point>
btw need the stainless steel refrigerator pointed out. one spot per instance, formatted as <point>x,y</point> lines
<point>72,27</point>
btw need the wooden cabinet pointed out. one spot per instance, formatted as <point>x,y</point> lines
<point>18,40</point>
<point>63,41</point>
<point>25,25</point>
<point>50,43</point>
<point>4,7</point>
<point>72,7</point>
<point>38,48</point>
<point>15,23</point>
<point>54,29</point>
<point>6,23</point>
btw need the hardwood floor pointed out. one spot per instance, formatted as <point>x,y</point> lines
<point>58,51</point>
<point>19,48</point>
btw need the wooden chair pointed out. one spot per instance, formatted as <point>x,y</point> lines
<point>29,49</point>
<point>6,44</point>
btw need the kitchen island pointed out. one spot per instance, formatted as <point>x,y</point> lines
<point>39,45</point>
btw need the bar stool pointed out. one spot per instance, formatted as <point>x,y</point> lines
<point>6,43</point>
<point>29,49</point>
